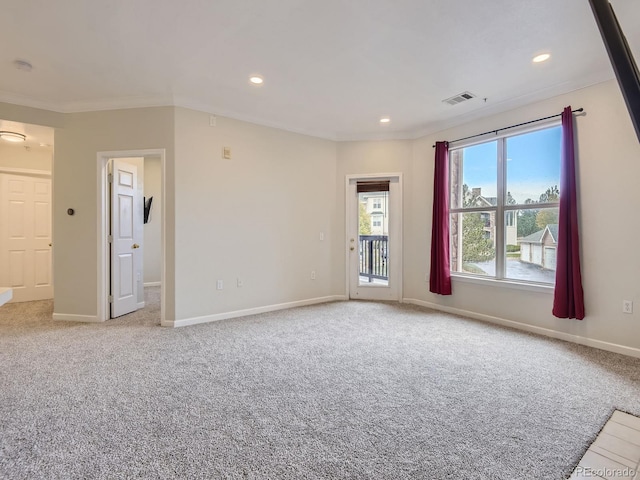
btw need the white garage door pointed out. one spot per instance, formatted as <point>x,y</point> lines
<point>536,254</point>
<point>550,258</point>
<point>525,252</point>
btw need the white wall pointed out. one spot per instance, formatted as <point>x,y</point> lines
<point>75,172</point>
<point>19,157</point>
<point>152,233</point>
<point>608,165</point>
<point>354,158</point>
<point>257,216</point>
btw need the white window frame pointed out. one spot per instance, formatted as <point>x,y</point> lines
<point>500,213</point>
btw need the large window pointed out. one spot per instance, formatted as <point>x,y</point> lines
<point>504,207</point>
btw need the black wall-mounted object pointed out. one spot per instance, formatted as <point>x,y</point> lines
<point>621,58</point>
<point>147,208</point>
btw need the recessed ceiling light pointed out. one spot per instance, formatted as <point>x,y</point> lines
<point>256,79</point>
<point>541,58</point>
<point>12,136</point>
<point>385,120</point>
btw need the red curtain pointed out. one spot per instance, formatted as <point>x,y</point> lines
<point>440,278</point>
<point>568,299</point>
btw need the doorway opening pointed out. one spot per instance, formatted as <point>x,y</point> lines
<point>374,236</point>
<point>131,252</point>
<point>26,189</point>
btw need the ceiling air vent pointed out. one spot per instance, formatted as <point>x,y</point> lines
<point>461,97</point>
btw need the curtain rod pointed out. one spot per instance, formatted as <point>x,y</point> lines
<point>513,126</point>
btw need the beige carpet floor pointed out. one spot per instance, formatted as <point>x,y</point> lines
<point>343,390</point>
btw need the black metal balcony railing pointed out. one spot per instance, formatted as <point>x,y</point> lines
<point>373,257</point>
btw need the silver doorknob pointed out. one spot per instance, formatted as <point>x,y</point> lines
<point>135,245</point>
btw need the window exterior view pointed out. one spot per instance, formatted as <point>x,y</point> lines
<point>504,207</point>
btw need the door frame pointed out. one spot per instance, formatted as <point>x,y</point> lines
<point>348,219</point>
<point>103,226</point>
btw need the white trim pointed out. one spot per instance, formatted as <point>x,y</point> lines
<point>431,128</point>
<point>103,226</point>
<point>25,171</point>
<point>547,332</point>
<point>491,136</point>
<point>71,317</point>
<point>504,283</point>
<point>250,311</point>
<point>140,305</point>
<point>152,284</point>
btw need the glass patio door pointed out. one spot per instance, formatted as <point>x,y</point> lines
<point>374,246</point>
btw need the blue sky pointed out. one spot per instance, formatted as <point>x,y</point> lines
<point>533,164</point>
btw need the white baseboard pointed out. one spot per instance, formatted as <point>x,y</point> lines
<point>590,342</point>
<point>71,317</point>
<point>250,311</point>
<point>152,284</point>
<point>140,305</point>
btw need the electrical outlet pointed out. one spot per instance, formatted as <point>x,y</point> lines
<point>627,306</point>
<point>240,283</point>
<point>321,236</point>
<point>219,284</point>
<point>313,274</point>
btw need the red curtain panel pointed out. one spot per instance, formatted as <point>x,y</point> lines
<point>440,277</point>
<point>568,298</point>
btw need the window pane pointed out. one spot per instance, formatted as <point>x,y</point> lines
<point>373,240</point>
<point>531,245</point>
<point>473,246</point>
<point>474,175</point>
<point>533,167</point>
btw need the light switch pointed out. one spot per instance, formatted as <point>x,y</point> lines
<point>226,152</point>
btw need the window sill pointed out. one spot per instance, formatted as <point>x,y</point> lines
<point>492,282</point>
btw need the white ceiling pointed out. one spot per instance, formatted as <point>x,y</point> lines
<point>332,68</point>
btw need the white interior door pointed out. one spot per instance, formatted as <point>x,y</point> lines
<point>126,238</point>
<point>374,238</point>
<point>25,237</point>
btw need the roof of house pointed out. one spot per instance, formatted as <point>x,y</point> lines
<point>538,237</point>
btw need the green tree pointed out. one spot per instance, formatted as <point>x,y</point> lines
<point>365,220</point>
<point>527,222</point>
<point>545,217</point>
<point>551,195</point>
<point>475,247</point>
<point>548,216</point>
<point>468,198</point>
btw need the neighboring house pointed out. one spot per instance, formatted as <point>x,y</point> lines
<point>377,206</point>
<point>511,227</point>
<point>539,248</point>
